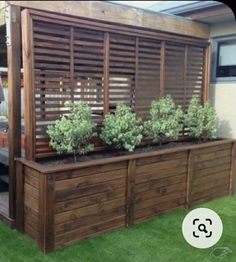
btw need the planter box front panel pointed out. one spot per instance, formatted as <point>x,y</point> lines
<point>160,185</point>
<point>59,206</point>
<point>89,201</point>
<point>211,173</point>
<point>31,203</point>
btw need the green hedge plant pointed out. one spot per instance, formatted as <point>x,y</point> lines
<point>122,130</point>
<point>201,120</point>
<point>166,120</point>
<point>72,133</point>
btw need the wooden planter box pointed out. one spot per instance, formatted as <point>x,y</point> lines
<point>59,205</point>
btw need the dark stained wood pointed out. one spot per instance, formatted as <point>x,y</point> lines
<point>106,72</point>
<point>190,178</point>
<point>185,74</point>
<point>28,65</point>
<point>14,102</point>
<point>46,213</point>
<point>130,187</point>
<point>203,148</point>
<point>64,205</point>
<point>72,80</point>
<point>162,69</point>
<point>207,67</point>
<point>133,103</point>
<point>19,197</point>
<point>68,58</point>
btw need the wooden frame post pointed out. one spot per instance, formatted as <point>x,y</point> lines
<point>29,96</point>
<point>46,212</point>
<point>207,67</point>
<point>20,197</point>
<point>14,99</point>
<point>190,174</point>
<point>130,192</point>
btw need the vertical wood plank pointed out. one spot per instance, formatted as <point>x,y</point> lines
<point>162,69</point>
<point>185,74</point>
<point>29,93</point>
<point>106,72</point>
<point>72,80</point>
<point>14,101</point>
<point>133,102</point>
<point>206,82</point>
<point>20,197</point>
<point>232,187</point>
<point>46,212</point>
<point>130,192</point>
<point>190,176</point>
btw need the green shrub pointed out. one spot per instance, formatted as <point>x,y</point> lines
<point>72,133</point>
<point>166,120</point>
<point>201,120</point>
<point>122,130</point>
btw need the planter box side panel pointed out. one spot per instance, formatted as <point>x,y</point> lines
<point>160,185</point>
<point>31,203</point>
<point>211,173</point>
<point>89,201</point>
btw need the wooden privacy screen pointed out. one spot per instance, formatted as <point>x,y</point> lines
<point>68,58</point>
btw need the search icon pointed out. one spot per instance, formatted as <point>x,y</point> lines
<point>202,228</point>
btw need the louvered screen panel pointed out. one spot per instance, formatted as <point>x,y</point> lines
<point>52,77</point>
<point>74,59</point>
<point>88,69</point>
<point>174,72</point>
<point>121,70</point>
<point>148,75</point>
<point>194,76</point>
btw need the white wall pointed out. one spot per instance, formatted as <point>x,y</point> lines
<point>223,95</point>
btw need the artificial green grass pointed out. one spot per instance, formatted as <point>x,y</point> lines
<point>158,240</point>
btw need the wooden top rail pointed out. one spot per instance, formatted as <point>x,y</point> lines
<point>112,13</point>
<point>43,168</point>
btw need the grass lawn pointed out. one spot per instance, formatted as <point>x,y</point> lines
<point>158,240</point>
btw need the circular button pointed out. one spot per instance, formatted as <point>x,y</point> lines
<point>202,228</point>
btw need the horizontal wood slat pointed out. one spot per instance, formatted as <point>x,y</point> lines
<point>61,207</point>
<point>74,61</point>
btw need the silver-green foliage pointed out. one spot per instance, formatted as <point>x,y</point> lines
<point>201,120</point>
<point>122,130</point>
<point>166,120</point>
<point>72,133</point>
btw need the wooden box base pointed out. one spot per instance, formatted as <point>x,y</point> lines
<point>57,206</point>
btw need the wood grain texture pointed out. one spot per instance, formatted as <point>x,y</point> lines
<point>28,65</point>
<point>63,206</point>
<point>14,102</point>
<point>68,58</point>
<point>211,173</point>
<point>31,203</point>
<point>130,187</point>
<point>190,178</point>
<point>20,197</point>
<point>121,15</point>
<point>46,213</point>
